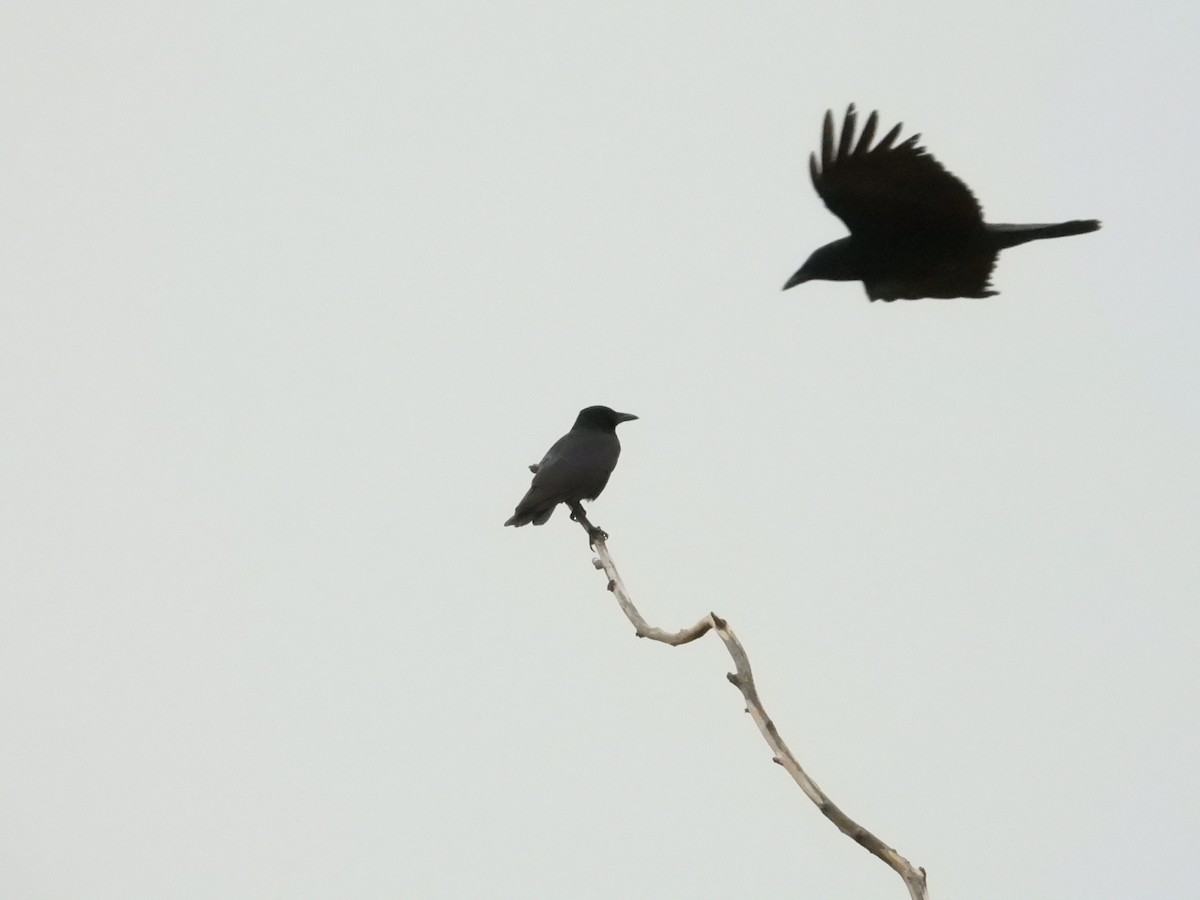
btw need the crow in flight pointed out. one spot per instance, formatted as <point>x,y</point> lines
<point>575,468</point>
<point>915,230</point>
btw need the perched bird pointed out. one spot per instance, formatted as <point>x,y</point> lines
<point>915,230</point>
<point>576,468</point>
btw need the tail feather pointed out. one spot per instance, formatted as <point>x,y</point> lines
<point>533,516</point>
<point>1012,235</point>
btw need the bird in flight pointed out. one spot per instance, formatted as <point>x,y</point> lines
<point>915,230</point>
<point>576,468</point>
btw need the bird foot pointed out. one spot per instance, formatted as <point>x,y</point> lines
<point>594,533</point>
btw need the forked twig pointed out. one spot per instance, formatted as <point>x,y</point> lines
<point>743,679</point>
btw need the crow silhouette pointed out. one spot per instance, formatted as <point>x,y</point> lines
<point>915,230</point>
<point>576,468</point>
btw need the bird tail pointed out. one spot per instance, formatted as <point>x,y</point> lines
<point>1012,235</point>
<point>526,516</point>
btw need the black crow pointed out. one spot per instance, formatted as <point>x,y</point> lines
<point>576,468</point>
<point>915,230</point>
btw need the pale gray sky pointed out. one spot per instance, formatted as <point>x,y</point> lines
<point>293,292</point>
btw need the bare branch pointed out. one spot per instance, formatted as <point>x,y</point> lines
<point>743,679</point>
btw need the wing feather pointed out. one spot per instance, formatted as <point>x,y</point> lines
<point>868,134</point>
<point>827,141</point>
<point>848,127</point>
<point>888,139</point>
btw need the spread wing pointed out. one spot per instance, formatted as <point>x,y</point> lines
<point>959,275</point>
<point>888,189</point>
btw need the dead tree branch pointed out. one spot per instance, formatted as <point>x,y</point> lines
<point>743,679</point>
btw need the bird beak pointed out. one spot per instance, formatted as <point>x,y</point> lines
<point>799,278</point>
<point>625,417</point>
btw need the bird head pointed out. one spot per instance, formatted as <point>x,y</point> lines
<point>833,262</point>
<point>601,418</point>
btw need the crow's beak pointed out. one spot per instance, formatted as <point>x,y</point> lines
<point>625,417</point>
<point>799,278</point>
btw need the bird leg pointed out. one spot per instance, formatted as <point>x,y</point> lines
<point>578,515</point>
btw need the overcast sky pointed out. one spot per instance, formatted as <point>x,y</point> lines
<point>292,293</point>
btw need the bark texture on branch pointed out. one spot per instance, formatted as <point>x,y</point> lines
<point>743,679</point>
